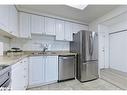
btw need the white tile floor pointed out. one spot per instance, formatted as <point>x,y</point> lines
<point>110,80</point>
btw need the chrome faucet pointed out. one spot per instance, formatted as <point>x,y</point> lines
<point>43,46</point>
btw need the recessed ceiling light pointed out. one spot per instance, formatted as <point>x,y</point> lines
<point>81,7</point>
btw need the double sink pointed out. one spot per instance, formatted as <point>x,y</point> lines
<point>44,53</point>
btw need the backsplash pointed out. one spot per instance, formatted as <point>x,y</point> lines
<point>6,42</point>
<point>36,42</point>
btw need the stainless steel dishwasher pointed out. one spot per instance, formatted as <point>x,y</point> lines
<point>66,67</point>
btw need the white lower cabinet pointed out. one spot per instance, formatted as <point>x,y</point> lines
<point>36,70</point>
<point>19,75</point>
<point>51,69</point>
<point>43,70</point>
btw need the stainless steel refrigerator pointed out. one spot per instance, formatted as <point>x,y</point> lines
<point>85,44</point>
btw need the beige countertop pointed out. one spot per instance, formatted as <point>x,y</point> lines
<point>7,60</point>
<point>10,60</point>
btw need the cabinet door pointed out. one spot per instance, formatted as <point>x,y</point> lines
<point>75,28</point>
<point>13,20</point>
<point>18,76</point>
<point>4,14</point>
<point>36,70</point>
<point>50,26</point>
<point>37,24</point>
<point>68,31</point>
<point>51,69</point>
<point>24,25</point>
<point>59,30</point>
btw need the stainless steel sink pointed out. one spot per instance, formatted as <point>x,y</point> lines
<point>44,53</point>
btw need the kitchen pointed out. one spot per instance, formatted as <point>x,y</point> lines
<point>39,49</point>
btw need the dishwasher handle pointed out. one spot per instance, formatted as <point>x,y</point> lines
<point>66,58</point>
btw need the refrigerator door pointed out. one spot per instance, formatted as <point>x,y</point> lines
<point>89,46</point>
<point>89,71</point>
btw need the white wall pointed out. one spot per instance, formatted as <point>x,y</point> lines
<point>33,44</point>
<point>114,13</point>
<point>98,26</point>
<point>118,27</point>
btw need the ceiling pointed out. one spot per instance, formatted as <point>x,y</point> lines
<point>89,14</point>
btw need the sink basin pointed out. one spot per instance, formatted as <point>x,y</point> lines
<point>44,53</point>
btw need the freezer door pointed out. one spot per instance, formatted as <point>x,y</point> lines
<point>89,46</point>
<point>89,71</point>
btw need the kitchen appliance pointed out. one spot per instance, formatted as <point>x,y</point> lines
<point>66,67</point>
<point>14,52</point>
<point>85,44</point>
<point>5,77</point>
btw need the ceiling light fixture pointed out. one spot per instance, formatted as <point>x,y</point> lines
<point>81,7</point>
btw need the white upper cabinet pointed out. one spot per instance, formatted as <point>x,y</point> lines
<point>13,20</point>
<point>37,24</point>
<point>77,27</point>
<point>9,20</point>
<point>59,30</point>
<point>24,25</point>
<point>4,16</point>
<point>68,35</point>
<point>50,26</point>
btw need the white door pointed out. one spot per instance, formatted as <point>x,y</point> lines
<point>68,31</point>
<point>36,70</point>
<point>51,69</point>
<point>118,51</point>
<point>59,30</point>
<point>37,24</point>
<point>24,25</point>
<point>50,26</point>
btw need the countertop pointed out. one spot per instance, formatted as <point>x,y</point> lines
<point>10,60</point>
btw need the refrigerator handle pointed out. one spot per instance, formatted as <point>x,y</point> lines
<point>92,42</point>
<point>90,45</point>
